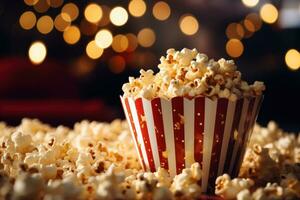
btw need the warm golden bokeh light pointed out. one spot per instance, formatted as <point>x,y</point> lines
<point>250,3</point>
<point>132,42</point>
<point>55,3</point>
<point>146,37</point>
<point>116,64</point>
<point>268,13</point>
<point>235,30</point>
<point>30,2</point>
<point>255,19</point>
<point>88,28</point>
<point>118,16</point>
<point>45,24</point>
<point>27,20</point>
<point>93,50</point>
<point>105,16</point>
<point>234,48</point>
<point>249,25</point>
<point>41,6</point>
<point>60,23</point>
<point>37,52</point>
<point>161,10</point>
<point>72,35</point>
<point>292,59</point>
<point>188,24</point>
<point>120,43</point>
<point>104,38</point>
<point>137,8</point>
<point>93,13</point>
<point>70,11</point>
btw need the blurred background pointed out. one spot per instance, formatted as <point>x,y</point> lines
<point>62,61</point>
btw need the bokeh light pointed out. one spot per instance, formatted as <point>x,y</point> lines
<point>41,6</point>
<point>161,10</point>
<point>55,3</point>
<point>116,64</point>
<point>249,25</point>
<point>30,2</point>
<point>105,16</point>
<point>44,24</point>
<point>137,8</point>
<point>146,37</point>
<point>188,24</point>
<point>292,59</point>
<point>269,13</point>
<point>93,13</point>
<point>88,28</point>
<point>255,20</point>
<point>60,23</point>
<point>37,52</point>
<point>132,42</point>
<point>250,3</point>
<point>118,16</point>
<point>120,43</point>
<point>235,30</point>
<point>72,34</point>
<point>93,50</point>
<point>104,38</point>
<point>234,48</point>
<point>70,10</point>
<point>27,20</point>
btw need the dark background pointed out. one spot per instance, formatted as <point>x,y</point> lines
<point>59,91</point>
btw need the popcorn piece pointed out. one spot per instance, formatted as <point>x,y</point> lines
<point>22,142</point>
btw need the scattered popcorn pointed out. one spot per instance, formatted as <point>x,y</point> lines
<point>190,73</point>
<point>98,161</point>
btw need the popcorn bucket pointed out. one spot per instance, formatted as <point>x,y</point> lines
<point>175,133</point>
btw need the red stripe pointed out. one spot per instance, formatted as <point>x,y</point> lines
<point>235,124</point>
<point>241,145</point>
<point>134,132</point>
<point>199,129</point>
<point>159,132</point>
<point>217,141</point>
<point>178,127</point>
<point>145,134</point>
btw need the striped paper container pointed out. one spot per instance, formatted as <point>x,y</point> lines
<point>175,133</point>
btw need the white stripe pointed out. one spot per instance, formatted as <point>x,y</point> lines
<point>166,107</point>
<point>131,130</point>
<point>209,124</point>
<point>138,130</point>
<point>189,118</point>
<point>240,132</point>
<point>226,135</point>
<point>151,131</point>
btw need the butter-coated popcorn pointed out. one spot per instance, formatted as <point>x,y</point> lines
<point>190,73</point>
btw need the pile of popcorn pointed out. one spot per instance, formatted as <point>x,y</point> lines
<point>190,73</point>
<point>98,161</point>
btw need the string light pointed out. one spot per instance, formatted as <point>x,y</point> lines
<point>188,24</point>
<point>30,2</point>
<point>118,16</point>
<point>132,42</point>
<point>146,37</point>
<point>116,64</point>
<point>161,10</point>
<point>71,35</point>
<point>120,43</point>
<point>292,59</point>
<point>93,50</point>
<point>55,3</point>
<point>70,11</point>
<point>37,52</point>
<point>41,6</point>
<point>45,24</point>
<point>137,8</point>
<point>27,20</point>
<point>60,23</point>
<point>93,13</point>
<point>250,3</point>
<point>104,38</point>
<point>234,48</point>
<point>269,13</point>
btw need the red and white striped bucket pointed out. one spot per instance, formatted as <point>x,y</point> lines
<point>175,133</point>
